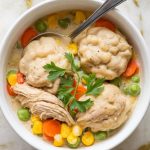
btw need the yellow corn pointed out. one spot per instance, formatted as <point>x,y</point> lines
<point>52,21</point>
<point>73,48</point>
<point>65,130</point>
<point>58,140</point>
<point>37,127</point>
<point>71,139</point>
<point>34,118</point>
<point>79,17</point>
<point>76,130</point>
<point>87,138</point>
<point>83,81</point>
<point>12,79</point>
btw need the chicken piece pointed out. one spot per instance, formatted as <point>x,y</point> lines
<point>42,103</point>
<point>110,110</point>
<point>54,88</point>
<point>103,52</point>
<point>39,53</point>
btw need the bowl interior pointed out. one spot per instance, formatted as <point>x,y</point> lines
<point>126,27</point>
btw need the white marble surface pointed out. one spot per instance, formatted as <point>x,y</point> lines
<point>10,10</point>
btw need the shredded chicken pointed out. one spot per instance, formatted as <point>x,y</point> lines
<point>54,88</point>
<point>110,110</point>
<point>42,103</point>
<point>103,52</point>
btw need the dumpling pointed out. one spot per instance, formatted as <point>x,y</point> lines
<point>110,110</point>
<point>37,54</point>
<point>103,52</point>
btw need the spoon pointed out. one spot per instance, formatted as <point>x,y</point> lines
<point>107,6</point>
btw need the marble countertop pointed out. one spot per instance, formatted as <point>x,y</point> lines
<point>12,9</point>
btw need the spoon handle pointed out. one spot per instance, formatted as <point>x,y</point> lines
<point>108,5</point>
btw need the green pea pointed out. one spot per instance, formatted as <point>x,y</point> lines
<point>18,45</point>
<point>134,89</point>
<point>135,79</point>
<point>101,135</point>
<point>116,81</point>
<point>23,114</point>
<point>76,144</point>
<point>41,26</point>
<point>126,90</point>
<point>63,23</point>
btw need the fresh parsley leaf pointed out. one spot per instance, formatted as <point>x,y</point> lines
<point>94,85</point>
<point>81,106</point>
<point>65,89</point>
<point>65,95</point>
<point>70,58</point>
<point>54,71</point>
<point>67,82</point>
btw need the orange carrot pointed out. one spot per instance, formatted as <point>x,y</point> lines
<point>27,36</point>
<point>81,90</point>
<point>10,90</point>
<point>105,23</point>
<point>131,69</point>
<point>20,78</point>
<point>51,127</point>
<point>48,138</point>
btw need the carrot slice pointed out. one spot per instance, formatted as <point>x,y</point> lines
<point>20,78</point>
<point>10,90</point>
<point>81,90</point>
<point>51,127</point>
<point>48,138</point>
<point>27,36</point>
<point>105,23</point>
<point>131,69</point>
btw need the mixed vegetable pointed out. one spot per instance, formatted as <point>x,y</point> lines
<point>74,84</point>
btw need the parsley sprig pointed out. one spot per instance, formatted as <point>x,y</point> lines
<point>54,71</point>
<point>94,85</point>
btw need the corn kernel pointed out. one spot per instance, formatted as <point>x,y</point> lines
<point>72,139</point>
<point>73,48</point>
<point>83,81</point>
<point>37,127</point>
<point>65,130</point>
<point>12,79</point>
<point>34,118</point>
<point>87,138</point>
<point>58,140</point>
<point>76,130</point>
<point>79,17</point>
<point>52,21</point>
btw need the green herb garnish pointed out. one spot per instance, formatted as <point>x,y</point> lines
<point>94,85</point>
<point>54,71</point>
<point>70,58</point>
<point>81,106</point>
<point>67,90</point>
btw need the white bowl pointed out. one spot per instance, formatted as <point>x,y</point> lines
<point>124,24</point>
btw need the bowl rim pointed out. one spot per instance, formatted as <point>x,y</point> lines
<point>33,142</point>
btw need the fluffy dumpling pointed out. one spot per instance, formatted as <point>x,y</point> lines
<point>110,110</point>
<point>103,52</point>
<point>37,54</point>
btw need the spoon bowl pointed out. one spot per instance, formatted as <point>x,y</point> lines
<point>106,7</point>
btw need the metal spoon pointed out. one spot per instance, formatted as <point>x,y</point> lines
<point>107,6</point>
